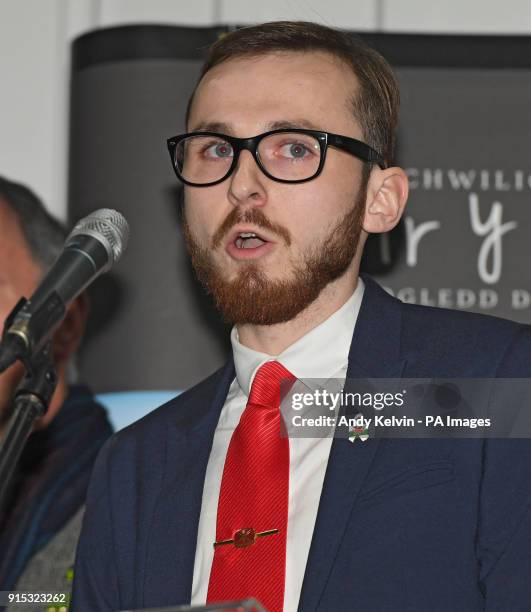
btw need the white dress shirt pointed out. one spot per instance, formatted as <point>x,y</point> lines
<point>320,354</point>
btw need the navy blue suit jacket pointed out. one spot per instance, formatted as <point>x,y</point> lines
<point>433,525</point>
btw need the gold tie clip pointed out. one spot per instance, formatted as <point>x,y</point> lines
<point>245,537</point>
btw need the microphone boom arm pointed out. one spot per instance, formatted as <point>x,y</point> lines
<point>31,402</point>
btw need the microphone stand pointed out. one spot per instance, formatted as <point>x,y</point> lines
<point>31,402</point>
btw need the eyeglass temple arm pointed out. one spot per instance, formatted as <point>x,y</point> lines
<point>357,148</point>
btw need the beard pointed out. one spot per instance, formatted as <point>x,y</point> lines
<point>252,297</point>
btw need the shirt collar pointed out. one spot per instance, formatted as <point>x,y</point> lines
<point>319,354</point>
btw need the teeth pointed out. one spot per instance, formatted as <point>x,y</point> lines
<point>244,237</point>
<point>250,242</point>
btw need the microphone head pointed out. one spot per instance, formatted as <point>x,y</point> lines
<point>109,227</point>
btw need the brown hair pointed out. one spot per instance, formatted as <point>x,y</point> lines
<point>376,104</point>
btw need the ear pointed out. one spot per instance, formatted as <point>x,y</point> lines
<point>68,335</point>
<point>387,192</point>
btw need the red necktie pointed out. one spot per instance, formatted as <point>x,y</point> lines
<point>254,499</point>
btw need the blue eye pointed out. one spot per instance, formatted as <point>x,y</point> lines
<point>219,149</point>
<point>298,150</point>
<point>294,150</point>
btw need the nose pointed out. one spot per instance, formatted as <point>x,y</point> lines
<point>246,184</point>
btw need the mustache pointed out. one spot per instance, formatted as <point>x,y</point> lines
<point>250,215</point>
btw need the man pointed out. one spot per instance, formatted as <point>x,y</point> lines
<point>40,522</point>
<point>286,165</point>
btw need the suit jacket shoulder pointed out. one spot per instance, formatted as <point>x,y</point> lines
<point>443,342</point>
<point>144,502</point>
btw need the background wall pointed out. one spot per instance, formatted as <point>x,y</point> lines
<point>35,37</point>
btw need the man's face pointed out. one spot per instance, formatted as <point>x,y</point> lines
<point>312,229</point>
<point>19,276</point>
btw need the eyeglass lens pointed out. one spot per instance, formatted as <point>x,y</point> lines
<point>288,156</point>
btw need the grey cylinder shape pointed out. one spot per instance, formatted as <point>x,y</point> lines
<point>151,325</point>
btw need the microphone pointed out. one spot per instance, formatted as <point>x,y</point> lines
<point>92,247</point>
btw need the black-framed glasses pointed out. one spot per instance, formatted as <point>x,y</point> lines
<point>295,155</point>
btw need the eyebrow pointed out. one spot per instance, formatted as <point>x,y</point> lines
<point>226,128</point>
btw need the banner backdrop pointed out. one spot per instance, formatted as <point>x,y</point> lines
<point>463,140</point>
<point>464,242</point>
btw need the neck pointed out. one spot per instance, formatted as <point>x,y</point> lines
<point>273,339</point>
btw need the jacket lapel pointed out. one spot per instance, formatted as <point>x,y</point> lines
<point>374,353</point>
<point>169,561</point>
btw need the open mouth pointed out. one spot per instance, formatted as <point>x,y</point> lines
<point>248,240</point>
<point>246,243</point>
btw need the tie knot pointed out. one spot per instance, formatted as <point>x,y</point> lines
<point>265,390</point>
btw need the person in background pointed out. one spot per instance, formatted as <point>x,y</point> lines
<point>40,521</point>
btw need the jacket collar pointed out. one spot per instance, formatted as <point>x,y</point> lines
<point>169,559</point>
<point>374,353</point>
